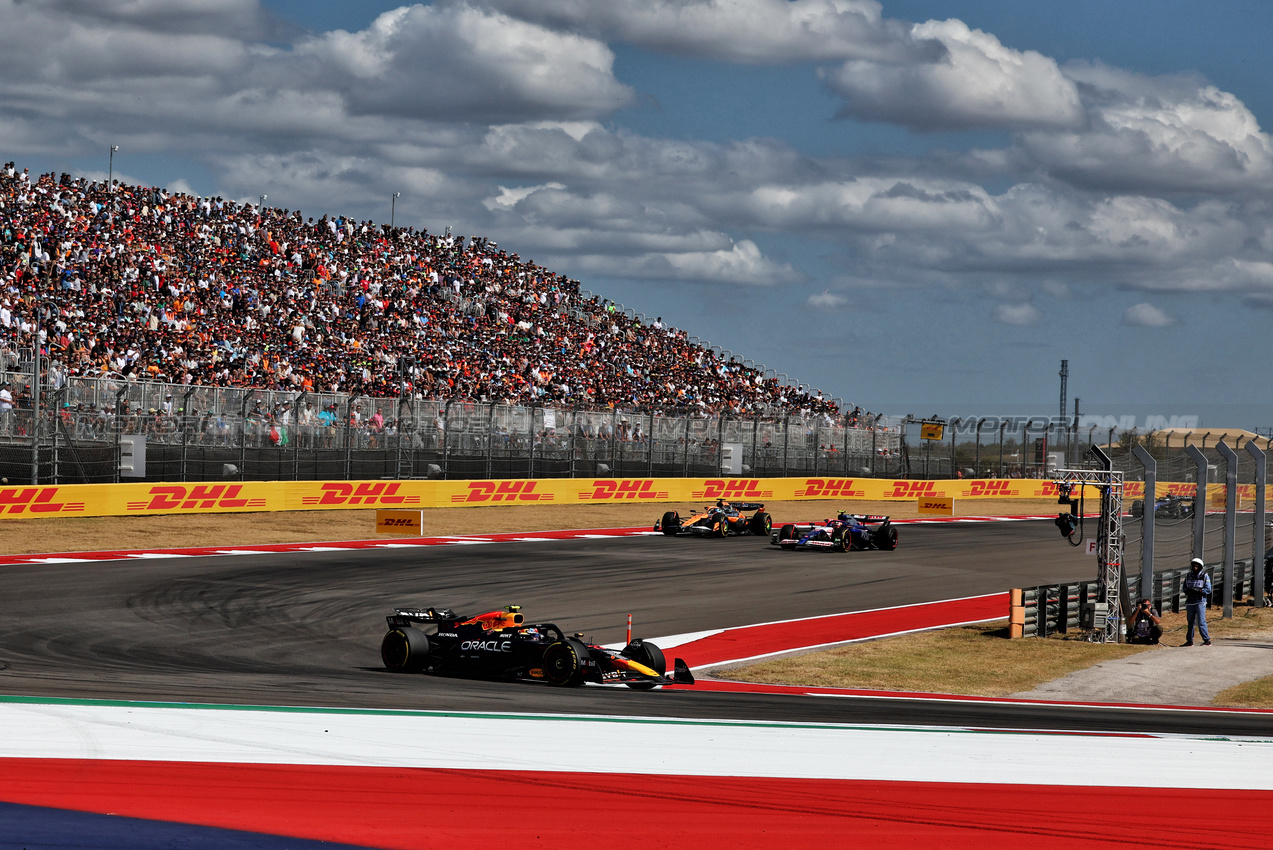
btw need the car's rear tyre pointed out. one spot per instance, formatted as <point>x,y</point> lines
<point>840,540</point>
<point>649,655</point>
<point>885,537</point>
<point>563,664</point>
<point>786,533</point>
<point>1138,508</point>
<point>671,523</point>
<point>761,524</point>
<point>405,650</point>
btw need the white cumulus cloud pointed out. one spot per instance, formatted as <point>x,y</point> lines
<point>975,81</point>
<point>1146,315</point>
<point>1021,315</point>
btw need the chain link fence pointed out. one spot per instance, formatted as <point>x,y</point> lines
<point>217,433</point>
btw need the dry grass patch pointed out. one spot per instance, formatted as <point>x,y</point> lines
<point>978,660</point>
<point>1257,694</point>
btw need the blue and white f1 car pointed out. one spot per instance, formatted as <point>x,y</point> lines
<point>845,532</point>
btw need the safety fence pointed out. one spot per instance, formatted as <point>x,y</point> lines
<point>1058,608</point>
<point>216,433</point>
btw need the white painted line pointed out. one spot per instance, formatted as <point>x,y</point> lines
<point>528,539</point>
<point>397,545</point>
<point>323,549</point>
<point>594,536</point>
<point>60,560</point>
<point>243,552</point>
<point>157,555</point>
<point>467,542</point>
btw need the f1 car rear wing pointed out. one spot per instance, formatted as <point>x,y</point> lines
<point>407,616</point>
<point>743,506</point>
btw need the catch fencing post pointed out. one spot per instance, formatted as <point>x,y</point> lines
<point>296,437</point>
<point>1147,517</point>
<point>185,429</point>
<point>1230,517</point>
<point>1257,544</point>
<point>1199,499</point>
<point>1002,427</point>
<point>786,441</point>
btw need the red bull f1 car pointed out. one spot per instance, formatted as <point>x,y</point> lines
<point>844,533</point>
<point>719,520</point>
<point>502,645</point>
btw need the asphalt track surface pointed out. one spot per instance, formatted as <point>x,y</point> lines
<point>305,629</point>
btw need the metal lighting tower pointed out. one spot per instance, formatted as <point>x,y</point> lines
<point>1107,623</point>
<point>393,203</point>
<point>1065,377</point>
<point>110,170</point>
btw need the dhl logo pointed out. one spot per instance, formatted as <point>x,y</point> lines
<point>830,487</point>
<point>366,493</point>
<point>501,491</point>
<point>1000,488</point>
<point>734,488</point>
<point>35,500</point>
<point>629,488</point>
<point>1133,490</point>
<point>399,523</point>
<point>912,489</point>
<point>172,497</point>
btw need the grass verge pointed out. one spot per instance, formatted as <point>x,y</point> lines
<point>980,660</point>
<point>977,660</point>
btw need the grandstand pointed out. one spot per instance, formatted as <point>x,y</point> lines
<point>207,323</point>
<point>142,284</point>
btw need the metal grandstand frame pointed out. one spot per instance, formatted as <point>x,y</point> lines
<point>1109,540</point>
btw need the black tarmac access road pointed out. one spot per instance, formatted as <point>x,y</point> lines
<point>305,629</point>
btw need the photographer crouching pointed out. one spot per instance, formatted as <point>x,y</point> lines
<point>1144,625</point>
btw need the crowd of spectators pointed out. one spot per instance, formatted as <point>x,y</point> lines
<point>143,284</point>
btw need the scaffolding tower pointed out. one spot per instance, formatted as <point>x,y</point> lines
<point>1107,619</point>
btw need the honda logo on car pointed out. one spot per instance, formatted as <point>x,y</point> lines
<point>488,645</point>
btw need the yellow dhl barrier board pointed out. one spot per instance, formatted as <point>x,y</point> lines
<point>399,522</point>
<point>166,498</point>
<point>936,506</point>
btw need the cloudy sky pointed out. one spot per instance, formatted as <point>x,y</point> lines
<point>917,206</point>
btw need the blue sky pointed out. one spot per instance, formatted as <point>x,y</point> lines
<point>915,206</point>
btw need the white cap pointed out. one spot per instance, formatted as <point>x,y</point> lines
<point>1196,562</point>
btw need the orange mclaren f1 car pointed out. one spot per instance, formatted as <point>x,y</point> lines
<point>719,520</point>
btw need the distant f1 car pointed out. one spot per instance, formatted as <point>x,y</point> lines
<point>501,645</point>
<point>719,520</point>
<point>845,532</point>
<point>1170,506</point>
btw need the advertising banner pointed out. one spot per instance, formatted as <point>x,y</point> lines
<point>240,497</point>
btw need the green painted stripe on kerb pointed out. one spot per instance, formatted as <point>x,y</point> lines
<point>547,718</point>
